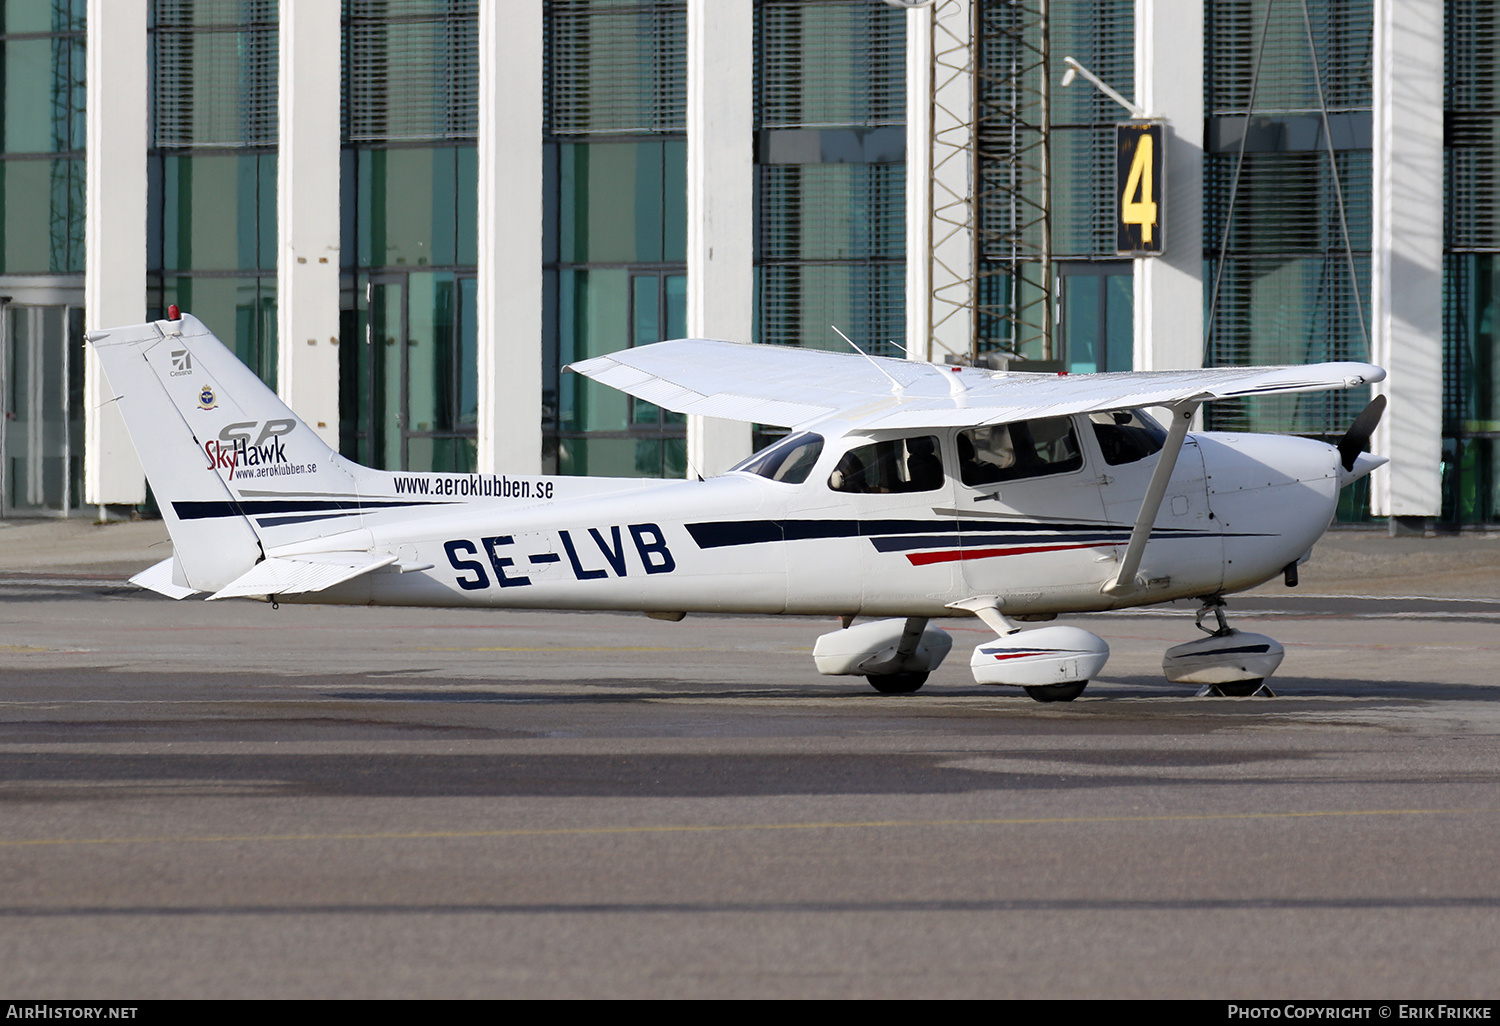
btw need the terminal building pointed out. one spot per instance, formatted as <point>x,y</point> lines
<point>409,215</point>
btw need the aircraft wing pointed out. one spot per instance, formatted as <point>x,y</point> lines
<point>799,387</point>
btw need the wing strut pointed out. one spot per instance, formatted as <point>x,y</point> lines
<point>1124,582</point>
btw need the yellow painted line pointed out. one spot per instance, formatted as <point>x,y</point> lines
<point>446,835</point>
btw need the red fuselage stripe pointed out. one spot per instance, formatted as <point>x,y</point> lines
<point>953,555</point>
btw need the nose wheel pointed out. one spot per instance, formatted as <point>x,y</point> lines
<point>1229,663</point>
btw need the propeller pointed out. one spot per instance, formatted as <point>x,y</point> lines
<point>1357,439</point>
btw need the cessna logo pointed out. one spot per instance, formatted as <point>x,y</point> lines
<point>235,448</point>
<point>182,362</point>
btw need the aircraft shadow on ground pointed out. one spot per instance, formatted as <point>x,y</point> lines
<point>111,776</point>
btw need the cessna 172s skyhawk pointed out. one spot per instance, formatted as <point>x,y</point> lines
<point>906,491</point>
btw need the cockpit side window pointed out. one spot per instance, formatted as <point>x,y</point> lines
<point>788,461</point>
<point>1126,436</point>
<point>897,465</point>
<point>1009,452</point>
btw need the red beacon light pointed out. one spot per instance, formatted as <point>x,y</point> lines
<point>174,314</point>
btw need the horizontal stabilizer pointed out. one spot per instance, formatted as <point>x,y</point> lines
<point>158,578</point>
<point>281,575</point>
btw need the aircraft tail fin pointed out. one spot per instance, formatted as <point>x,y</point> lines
<point>220,449</point>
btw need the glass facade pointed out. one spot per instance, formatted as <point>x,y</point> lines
<point>409,382</point>
<point>42,90</point>
<point>211,170</point>
<point>1471,264</point>
<point>1287,225</point>
<point>1094,289</point>
<point>41,165</point>
<point>615,236</point>
<point>830,114</point>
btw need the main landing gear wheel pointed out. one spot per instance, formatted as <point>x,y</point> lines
<point>896,683</point>
<point>1056,692</point>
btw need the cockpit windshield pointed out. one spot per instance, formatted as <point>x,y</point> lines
<point>788,461</point>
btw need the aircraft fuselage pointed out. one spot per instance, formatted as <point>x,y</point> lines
<point>1238,510</point>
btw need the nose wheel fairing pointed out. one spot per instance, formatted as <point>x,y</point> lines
<point>1229,662</point>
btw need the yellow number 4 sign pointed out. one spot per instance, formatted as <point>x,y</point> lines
<point>1140,148</point>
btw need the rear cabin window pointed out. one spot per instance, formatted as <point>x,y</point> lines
<point>897,465</point>
<point>1010,452</point>
<point>1126,436</point>
<point>788,461</point>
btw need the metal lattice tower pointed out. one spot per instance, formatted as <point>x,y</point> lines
<point>989,181</point>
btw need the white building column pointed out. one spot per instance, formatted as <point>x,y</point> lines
<point>114,231</point>
<point>720,203</point>
<point>307,213</point>
<point>1169,84</point>
<point>509,301</point>
<point>1407,274</point>
<point>939,197</point>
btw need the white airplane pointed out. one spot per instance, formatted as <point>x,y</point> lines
<point>906,491</point>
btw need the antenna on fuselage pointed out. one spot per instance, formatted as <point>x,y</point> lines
<point>899,386</point>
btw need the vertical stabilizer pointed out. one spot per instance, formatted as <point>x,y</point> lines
<point>216,443</point>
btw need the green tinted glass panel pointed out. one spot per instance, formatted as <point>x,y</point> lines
<point>612,202</point>
<point>1471,343</point>
<point>41,216</point>
<point>407,207</point>
<point>266,211</point>
<point>443,455</point>
<point>219,212</point>
<point>674,201</point>
<point>676,301</point>
<point>28,96</point>
<point>646,316</point>
<point>645,328</point>
<point>382,374</point>
<point>1081,309</point>
<point>430,352</point>
<point>42,95</point>
<point>468,356</point>
<point>1119,322</point>
<point>593,319</point>
<point>1471,480</point>
<point>42,15</point>
<point>622,457</point>
<point>466,201</point>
